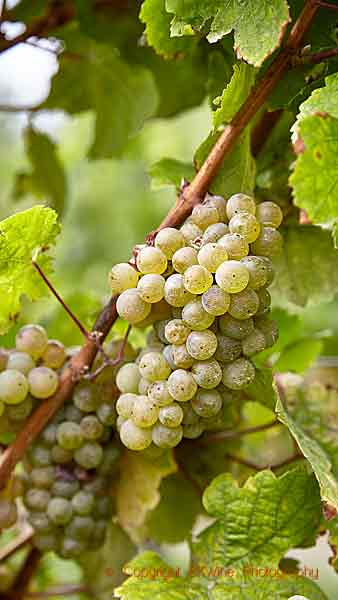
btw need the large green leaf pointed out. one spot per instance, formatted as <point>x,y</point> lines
<point>47,180</point>
<point>307,270</point>
<point>324,99</point>
<point>315,176</point>
<point>138,489</point>
<point>21,236</point>
<point>258,26</point>
<point>169,171</point>
<point>311,420</point>
<point>157,21</point>
<point>96,78</point>
<point>261,389</point>
<point>234,94</point>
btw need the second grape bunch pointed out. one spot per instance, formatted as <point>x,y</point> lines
<point>202,290</point>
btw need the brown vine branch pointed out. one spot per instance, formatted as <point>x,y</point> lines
<point>108,362</point>
<point>318,57</point>
<point>328,5</point>
<point>68,310</point>
<point>190,196</point>
<point>222,436</point>
<point>20,540</point>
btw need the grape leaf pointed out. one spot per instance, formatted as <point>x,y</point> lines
<point>258,26</point>
<point>122,96</point>
<point>47,180</point>
<point>21,235</point>
<point>234,94</point>
<point>103,568</point>
<point>299,356</point>
<point>261,389</point>
<point>138,489</point>
<point>165,523</point>
<point>169,171</point>
<point>157,20</point>
<point>310,419</point>
<point>307,267</point>
<point>258,523</point>
<point>315,176</point>
<point>324,99</point>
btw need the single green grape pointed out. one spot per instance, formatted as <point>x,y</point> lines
<point>39,456</point>
<point>269,214</point>
<point>134,437</point>
<point>184,258</point>
<point>89,455</point>
<point>240,203</point>
<point>269,243</point>
<point>72,413</point>
<point>151,260</point>
<point>235,245</point>
<point>246,225</point>
<point>201,345</point>
<point>182,358</point>
<point>169,240</point>
<point>60,456</point>
<point>125,404</point>
<point>228,349</point>
<point>192,431</point>
<point>91,428</point>
<point>166,437</point>
<point>234,328</point>
<point>71,548</point>
<point>204,215</point>
<point>207,403</point>
<point>219,203</point>
<point>181,385</point>
<point>264,302</point>
<point>83,503</point>
<point>176,332</point>
<point>254,343</point>
<point>145,412</point>
<point>128,378</point>
<point>158,393</point>
<point>238,374</point>
<point>32,339</point>
<point>195,317</point>
<point>54,355</point>
<point>175,292</point>
<point>20,361</point>
<point>13,386</point>
<point>122,277</point>
<point>216,301</point>
<point>232,276</point>
<point>43,382</point>
<point>42,477</point>
<point>131,307</point>
<point>258,271</point>
<point>19,412</point>
<point>80,528</point>
<point>151,288</point>
<point>197,279</point>
<point>144,384</point>
<point>207,373</point>
<point>244,304</point>
<point>191,232</point>
<point>211,256</point>
<point>154,367</point>
<point>37,499</point>
<point>59,511</point>
<point>269,328</point>
<point>171,415</point>
<point>69,435</point>
<point>85,397</point>
<point>106,413</point>
<point>214,232</point>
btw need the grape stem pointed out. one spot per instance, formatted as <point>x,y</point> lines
<point>109,362</point>
<point>189,197</point>
<point>68,310</point>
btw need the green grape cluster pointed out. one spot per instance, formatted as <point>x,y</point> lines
<point>29,374</point>
<point>203,291</point>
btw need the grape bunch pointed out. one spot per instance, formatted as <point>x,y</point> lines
<point>29,374</point>
<point>203,291</point>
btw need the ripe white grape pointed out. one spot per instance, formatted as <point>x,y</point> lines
<point>234,328</point>
<point>55,355</point>
<point>125,404</point>
<point>154,367</point>
<point>168,240</point>
<point>207,373</point>
<point>269,214</point>
<point>151,288</point>
<point>128,378</point>
<point>59,511</point>
<point>171,415</point>
<point>69,435</point>
<point>32,339</point>
<point>264,301</point>
<point>201,345</point>
<point>240,203</point>
<point>232,276</point>
<point>194,315</point>
<point>145,412</point>
<point>244,304</point>
<point>168,355</point>
<point>228,349</point>
<point>166,437</point>
<point>204,215</point>
<point>122,277</point>
<point>220,204</point>
<point>269,243</point>
<point>20,361</point>
<point>151,260</point>
<point>181,385</point>
<point>134,437</point>
<point>258,271</point>
<point>13,387</point>
<point>255,342</point>
<point>211,256</point>
<point>235,245</point>
<point>143,386</point>
<point>216,301</point>
<point>246,225</point>
<point>43,382</point>
<point>193,431</point>
<point>89,456</point>
<point>158,393</point>
<point>197,279</point>
<point>175,292</point>
<point>214,232</point>
<point>131,307</point>
<point>176,332</point>
<point>184,258</point>
<point>238,374</point>
<point>207,403</point>
<point>190,232</point>
<point>182,358</point>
